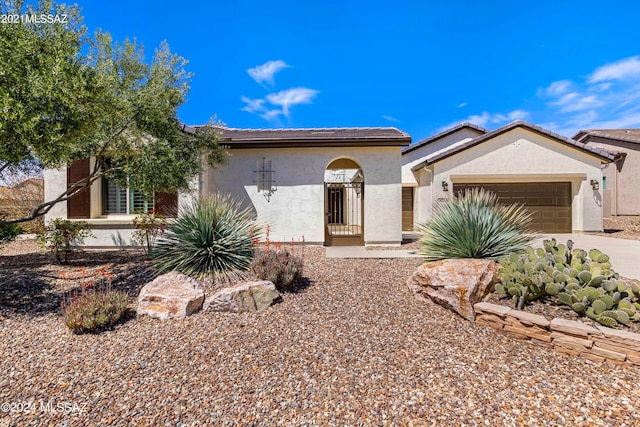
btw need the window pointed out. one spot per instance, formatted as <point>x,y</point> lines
<point>116,200</point>
<point>604,182</point>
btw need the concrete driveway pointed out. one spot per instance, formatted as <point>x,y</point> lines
<point>624,255</point>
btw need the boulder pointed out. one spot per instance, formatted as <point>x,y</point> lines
<point>170,296</point>
<point>456,284</point>
<point>244,297</point>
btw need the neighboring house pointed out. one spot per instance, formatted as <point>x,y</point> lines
<point>416,203</point>
<point>620,179</point>
<point>18,199</point>
<point>334,186</point>
<point>557,178</point>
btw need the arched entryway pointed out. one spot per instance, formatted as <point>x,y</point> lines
<point>344,203</point>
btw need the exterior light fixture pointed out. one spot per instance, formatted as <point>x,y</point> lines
<point>594,184</point>
<point>445,186</point>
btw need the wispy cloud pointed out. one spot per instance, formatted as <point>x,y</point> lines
<point>283,101</point>
<point>607,97</point>
<point>486,118</point>
<point>462,104</point>
<point>258,107</point>
<point>619,70</point>
<point>391,119</point>
<point>263,74</point>
<point>275,104</point>
<point>290,97</point>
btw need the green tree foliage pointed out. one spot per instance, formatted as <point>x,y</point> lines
<point>65,97</point>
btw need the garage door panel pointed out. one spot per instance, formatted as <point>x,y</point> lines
<point>548,202</point>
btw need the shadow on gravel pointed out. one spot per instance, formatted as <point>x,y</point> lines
<point>31,284</point>
<point>300,286</point>
<point>611,230</point>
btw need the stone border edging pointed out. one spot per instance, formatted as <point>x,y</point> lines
<point>567,336</point>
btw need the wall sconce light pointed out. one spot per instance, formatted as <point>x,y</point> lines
<point>445,186</point>
<point>594,184</point>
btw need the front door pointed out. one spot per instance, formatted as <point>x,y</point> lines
<point>344,213</point>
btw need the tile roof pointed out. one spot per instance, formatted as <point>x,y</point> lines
<point>626,135</point>
<point>311,136</point>
<point>444,133</point>
<point>456,148</point>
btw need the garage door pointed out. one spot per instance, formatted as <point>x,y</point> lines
<point>549,202</point>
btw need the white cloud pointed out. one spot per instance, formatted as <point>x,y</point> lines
<point>608,97</point>
<point>462,104</point>
<point>509,117</point>
<point>290,97</point>
<point>556,88</point>
<point>619,70</point>
<point>285,99</point>
<point>577,102</point>
<point>257,106</point>
<point>391,119</point>
<point>264,73</point>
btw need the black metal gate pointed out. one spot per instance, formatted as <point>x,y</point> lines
<point>344,213</point>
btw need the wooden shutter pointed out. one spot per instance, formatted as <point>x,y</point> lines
<point>166,204</point>
<point>79,206</point>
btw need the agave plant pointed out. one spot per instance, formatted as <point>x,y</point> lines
<point>474,225</point>
<point>211,239</point>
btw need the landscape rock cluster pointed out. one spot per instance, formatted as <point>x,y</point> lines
<point>456,284</point>
<point>176,296</point>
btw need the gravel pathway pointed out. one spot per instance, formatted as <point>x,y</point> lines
<point>352,348</point>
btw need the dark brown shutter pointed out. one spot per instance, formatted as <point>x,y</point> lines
<point>166,204</point>
<point>79,206</point>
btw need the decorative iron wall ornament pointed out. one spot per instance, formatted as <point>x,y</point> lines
<point>265,178</point>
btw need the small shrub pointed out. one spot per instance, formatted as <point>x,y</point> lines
<point>62,237</point>
<point>9,232</point>
<point>91,312</point>
<point>149,226</point>
<point>281,267</point>
<point>97,306</point>
<point>474,225</point>
<point>582,280</point>
<point>211,239</point>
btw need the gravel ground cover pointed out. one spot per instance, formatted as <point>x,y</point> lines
<point>621,227</point>
<point>351,347</point>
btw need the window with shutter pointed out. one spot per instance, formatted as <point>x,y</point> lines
<point>79,206</point>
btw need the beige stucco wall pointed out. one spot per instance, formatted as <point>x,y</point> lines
<point>296,209</point>
<point>623,179</point>
<point>520,155</point>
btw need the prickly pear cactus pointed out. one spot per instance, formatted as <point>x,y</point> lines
<point>582,280</point>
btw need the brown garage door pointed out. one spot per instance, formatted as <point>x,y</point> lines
<point>407,209</point>
<point>549,202</point>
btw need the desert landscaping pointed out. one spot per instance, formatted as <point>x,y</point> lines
<point>352,346</point>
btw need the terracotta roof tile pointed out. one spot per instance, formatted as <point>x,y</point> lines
<point>626,135</point>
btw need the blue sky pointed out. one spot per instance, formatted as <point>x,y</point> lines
<point>420,66</point>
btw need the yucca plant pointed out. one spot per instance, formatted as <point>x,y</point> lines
<point>474,225</point>
<point>211,239</point>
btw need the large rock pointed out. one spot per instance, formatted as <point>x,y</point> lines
<point>456,284</point>
<point>170,296</point>
<point>244,297</point>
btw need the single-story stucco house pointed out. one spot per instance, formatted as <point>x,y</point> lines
<point>621,179</point>
<point>364,186</point>
<point>334,186</point>
<point>557,178</point>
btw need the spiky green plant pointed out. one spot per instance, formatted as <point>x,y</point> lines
<point>474,225</point>
<point>211,239</point>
